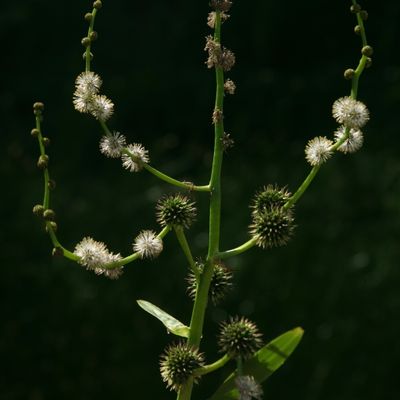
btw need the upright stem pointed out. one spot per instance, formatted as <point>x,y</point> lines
<point>200,303</point>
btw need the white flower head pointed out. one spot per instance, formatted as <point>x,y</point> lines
<point>350,112</point>
<point>148,245</point>
<point>111,145</point>
<point>353,143</point>
<point>88,82</point>
<point>248,388</point>
<point>318,150</point>
<point>101,107</point>
<point>95,256</point>
<point>137,157</point>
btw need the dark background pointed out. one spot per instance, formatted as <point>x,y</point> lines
<point>66,333</point>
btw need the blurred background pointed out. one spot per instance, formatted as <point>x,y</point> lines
<point>66,333</point>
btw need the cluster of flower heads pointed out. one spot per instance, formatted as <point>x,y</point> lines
<point>272,223</point>
<point>87,99</point>
<point>221,282</point>
<point>178,364</point>
<point>133,156</point>
<point>96,257</point>
<point>352,115</point>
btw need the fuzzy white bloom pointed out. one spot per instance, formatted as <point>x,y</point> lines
<point>148,245</point>
<point>101,107</point>
<point>111,145</point>
<point>318,150</point>
<point>88,82</point>
<point>137,157</point>
<point>87,85</point>
<point>95,255</point>
<point>350,112</point>
<point>248,388</point>
<point>353,143</point>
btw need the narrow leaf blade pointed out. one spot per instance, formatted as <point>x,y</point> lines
<point>263,364</point>
<point>172,324</point>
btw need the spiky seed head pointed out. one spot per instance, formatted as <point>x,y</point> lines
<point>178,363</point>
<point>353,143</point>
<point>221,282</point>
<point>248,388</point>
<point>135,158</point>
<point>269,197</point>
<point>239,337</point>
<point>112,145</point>
<point>318,150</point>
<point>350,112</point>
<point>175,211</point>
<point>272,227</point>
<point>148,244</point>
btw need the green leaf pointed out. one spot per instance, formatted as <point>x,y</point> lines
<point>263,364</point>
<point>172,324</point>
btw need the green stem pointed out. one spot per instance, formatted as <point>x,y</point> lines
<point>201,299</point>
<point>212,367</point>
<point>237,250</point>
<point>303,187</point>
<point>172,181</point>
<point>90,30</point>
<point>180,234</point>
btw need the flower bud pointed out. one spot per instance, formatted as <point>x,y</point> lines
<point>85,42</point>
<point>38,210</point>
<point>355,8</point>
<point>43,161</point>
<point>367,51</point>
<point>51,184</point>
<point>368,62</point>
<point>46,141</point>
<point>93,36</point>
<point>51,225</point>
<point>357,30</point>
<point>364,15</point>
<point>348,74</point>
<point>90,56</point>
<point>49,215</point>
<point>97,4</point>
<point>88,17</point>
<point>38,106</point>
<point>35,132</point>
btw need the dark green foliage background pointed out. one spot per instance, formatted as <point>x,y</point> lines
<point>67,334</point>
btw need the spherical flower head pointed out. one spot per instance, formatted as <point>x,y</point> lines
<point>148,245</point>
<point>175,211</point>
<point>269,197</point>
<point>239,338</point>
<point>178,363</point>
<point>137,156</point>
<point>95,256</point>
<point>318,150</point>
<point>221,282</point>
<point>112,145</point>
<point>350,112</point>
<point>101,107</point>
<point>88,82</point>
<point>273,227</point>
<point>248,388</point>
<point>354,141</point>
